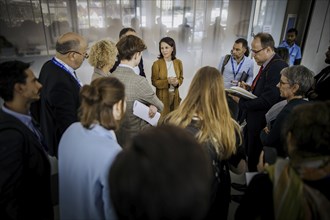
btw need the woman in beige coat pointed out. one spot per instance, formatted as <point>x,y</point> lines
<point>167,75</point>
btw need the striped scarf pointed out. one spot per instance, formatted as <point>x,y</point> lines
<point>293,199</point>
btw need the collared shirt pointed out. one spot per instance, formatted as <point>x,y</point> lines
<point>294,52</point>
<point>246,65</point>
<point>69,69</point>
<point>267,61</point>
<point>65,65</point>
<point>135,69</point>
<point>25,119</point>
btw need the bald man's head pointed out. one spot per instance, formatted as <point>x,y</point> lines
<point>71,48</point>
<point>68,42</point>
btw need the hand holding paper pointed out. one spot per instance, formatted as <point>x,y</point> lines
<point>142,111</point>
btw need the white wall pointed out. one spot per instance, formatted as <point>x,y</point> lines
<point>318,38</point>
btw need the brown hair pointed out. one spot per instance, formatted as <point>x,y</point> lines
<point>266,40</point>
<point>128,46</point>
<point>97,101</point>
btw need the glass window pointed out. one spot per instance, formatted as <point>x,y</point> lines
<point>206,28</point>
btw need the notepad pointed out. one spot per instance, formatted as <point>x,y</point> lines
<point>238,91</point>
<point>142,111</point>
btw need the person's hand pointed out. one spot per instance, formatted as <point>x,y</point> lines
<point>244,85</point>
<point>169,80</point>
<point>152,111</point>
<point>261,165</point>
<point>235,98</point>
<point>175,81</point>
<point>266,130</point>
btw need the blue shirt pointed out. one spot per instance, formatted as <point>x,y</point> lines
<point>85,157</point>
<point>245,65</point>
<point>25,119</point>
<point>294,52</point>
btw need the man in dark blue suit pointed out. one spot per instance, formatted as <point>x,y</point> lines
<point>25,191</point>
<point>264,87</point>
<point>59,101</point>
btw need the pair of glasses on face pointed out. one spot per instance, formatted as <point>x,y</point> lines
<point>283,83</point>
<point>257,51</point>
<point>85,55</point>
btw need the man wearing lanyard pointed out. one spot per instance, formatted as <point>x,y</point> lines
<point>293,48</point>
<point>264,87</point>
<point>59,101</point>
<point>25,189</point>
<point>236,67</point>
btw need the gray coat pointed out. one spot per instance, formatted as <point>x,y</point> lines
<point>136,88</point>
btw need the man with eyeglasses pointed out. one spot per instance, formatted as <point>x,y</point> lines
<point>264,87</point>
<point>59,101</point>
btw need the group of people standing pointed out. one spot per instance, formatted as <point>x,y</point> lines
<point>111,163</point>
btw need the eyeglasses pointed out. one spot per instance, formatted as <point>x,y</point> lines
<point>85,55</point>
<point>257,51</point>
<point>283,83</point>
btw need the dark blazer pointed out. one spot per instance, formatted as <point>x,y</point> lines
<point>24,171</point>
<point>142,73</point>
<point>58,105</point>
<point>322,84</point>
<point>255,109</point>
<point>273,138</point>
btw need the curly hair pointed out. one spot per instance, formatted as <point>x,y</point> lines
<point>102,53</point>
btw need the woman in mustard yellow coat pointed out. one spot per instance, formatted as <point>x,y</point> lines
<point>167,75</point>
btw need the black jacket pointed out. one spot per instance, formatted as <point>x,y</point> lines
<point>58,106</point>
<point>24,171</point>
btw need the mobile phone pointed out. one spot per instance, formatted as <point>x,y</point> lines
<point>270,155</point>
<point>243,77</point>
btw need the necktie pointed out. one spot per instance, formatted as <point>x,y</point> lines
<point>78,80</point>
<point>254,83</point>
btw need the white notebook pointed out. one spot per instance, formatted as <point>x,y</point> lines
<point>238,91</point>
<point>142,111</point>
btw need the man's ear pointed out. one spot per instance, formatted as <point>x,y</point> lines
<point>117,110</point>
<point>18,87</point>
<point>71,55</point>
<point>295,88</point>
<point>136,55</point>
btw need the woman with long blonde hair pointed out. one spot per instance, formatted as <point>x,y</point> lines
<point>205,113</point>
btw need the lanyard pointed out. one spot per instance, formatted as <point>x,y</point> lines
<point>292,49</point>
<point>239,66</point>
<point>67,70</point>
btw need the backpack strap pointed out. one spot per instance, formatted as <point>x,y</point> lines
<point>225,61</point>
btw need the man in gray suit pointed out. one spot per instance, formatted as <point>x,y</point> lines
<point>136,88</point>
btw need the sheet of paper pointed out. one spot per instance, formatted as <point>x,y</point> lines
<point>142,111</point>
<point>249,176</point>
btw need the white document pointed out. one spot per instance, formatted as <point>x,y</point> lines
<point>238,91</point>
<point>249,176</point>
<point>142,111</point>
